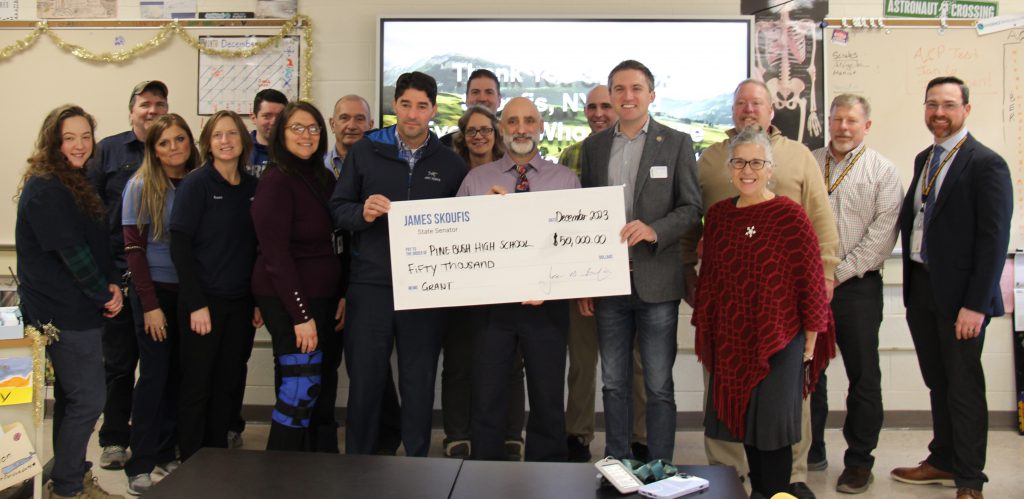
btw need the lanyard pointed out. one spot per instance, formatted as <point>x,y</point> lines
<point>927,189</point>
<point>828,166</point>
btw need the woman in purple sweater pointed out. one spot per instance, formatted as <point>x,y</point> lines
<point>297,277</point>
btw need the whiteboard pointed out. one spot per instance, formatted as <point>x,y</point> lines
<point>231,83</point>
<point>892,67</point>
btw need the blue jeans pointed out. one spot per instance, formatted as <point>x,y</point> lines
<point>78,367</point>
<point>618,319</point>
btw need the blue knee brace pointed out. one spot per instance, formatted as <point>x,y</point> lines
<point>300,386</point>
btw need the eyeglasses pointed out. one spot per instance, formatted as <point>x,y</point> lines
<point>485,131</point>
<point>301,129</point>
<point>755,164</point>
<point>228,134</point>
<point>946,106</point>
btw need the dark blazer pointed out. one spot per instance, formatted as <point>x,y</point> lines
<point>671,205</point>
<point>968,234</point>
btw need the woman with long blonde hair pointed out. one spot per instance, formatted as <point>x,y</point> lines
<point>169,154</point>
<point>67,280</point>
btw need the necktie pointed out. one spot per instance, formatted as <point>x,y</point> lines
<point>929,202</point>
<point>522,183</point>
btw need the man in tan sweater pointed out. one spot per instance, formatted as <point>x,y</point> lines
<point>797,177</point>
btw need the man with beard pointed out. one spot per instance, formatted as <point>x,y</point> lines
<point>400,162</point>
<point>799,179</point>
<point>955,227</point>
<point>662,202</point>
<point>537,328</point>
<point>865,194</point>
<point>116,160</point>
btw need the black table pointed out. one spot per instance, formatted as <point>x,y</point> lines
<point>229,474</point>
<point>488,479</point>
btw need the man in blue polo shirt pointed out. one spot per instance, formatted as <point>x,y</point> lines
<point>401,162</point>
<point>116,160</point>
<point>266,107</point>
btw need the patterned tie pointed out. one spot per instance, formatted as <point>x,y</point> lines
<point>522,183</point>
<point>929,202</point>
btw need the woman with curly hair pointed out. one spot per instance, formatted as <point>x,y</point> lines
<point>169,154</point>
<point>68,280</point>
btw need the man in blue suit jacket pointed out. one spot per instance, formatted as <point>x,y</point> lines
<point>955,228</point>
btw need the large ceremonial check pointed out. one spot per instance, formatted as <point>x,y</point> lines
<point>512,248</point>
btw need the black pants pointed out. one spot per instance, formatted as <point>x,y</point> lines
<point>457,378</point>
<point>540,333</point>
<point>769,469</point>
<point>373,328</point>
<point>952,370</point>
<point>318,436</point>
<point>155,402</point>
<point>857,308</point>
<point>210,366</point>
<point>120,357</point>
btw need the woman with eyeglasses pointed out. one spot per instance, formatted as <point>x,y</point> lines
<point>296,280</point>
<point>67,279</point>
<point>479,138</point>
<point>760,312</point>
<point>169,153</point>
<point>213,247</point>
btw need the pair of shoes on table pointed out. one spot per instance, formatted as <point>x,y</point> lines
<point>458,449</point>
<point>641,452</point>
<point>113,457</point>
<point>579,452</point>
<point>854,480</point>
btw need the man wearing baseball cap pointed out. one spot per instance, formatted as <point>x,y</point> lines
<point>116,160</point>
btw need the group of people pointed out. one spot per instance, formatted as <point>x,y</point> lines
<point>168,251</point>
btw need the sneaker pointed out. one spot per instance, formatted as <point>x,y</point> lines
<point>93,490</point>
<point>817,465</point>
<point>579,452</point>
<point>234,440</point>
<point>459,449</point>
<point>113,457</point>
<point>139,484</point>
<point>801,491</point>
<point>641,452</point>
<point>854,480</point>
<point>514,450</point>
<point>167,468</point>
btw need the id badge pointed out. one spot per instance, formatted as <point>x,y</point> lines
<point>338,242</point>
<point>659,172</point>
<point>917,234</point>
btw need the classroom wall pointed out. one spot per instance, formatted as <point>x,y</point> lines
<point>345,62</point>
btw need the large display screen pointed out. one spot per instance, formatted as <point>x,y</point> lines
<point>696,64</point>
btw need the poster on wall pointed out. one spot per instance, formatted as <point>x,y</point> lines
<point>227,83</point>
<point>8,10</point>
<point>537,67</point>
<point>76,9</point>
<point>282,9</point>
<point>952,9</point>
<point>788,58</point>
<point>168,9</point>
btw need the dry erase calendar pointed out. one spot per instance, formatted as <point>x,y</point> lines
<point>230,83</point>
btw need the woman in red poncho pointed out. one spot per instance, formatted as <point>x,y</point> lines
<point>759,306</point>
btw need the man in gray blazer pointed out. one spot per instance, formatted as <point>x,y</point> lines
<point>657,166</point>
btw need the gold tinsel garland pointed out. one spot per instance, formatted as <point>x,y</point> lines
<point>174,28</point>
<point>40,338</point>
